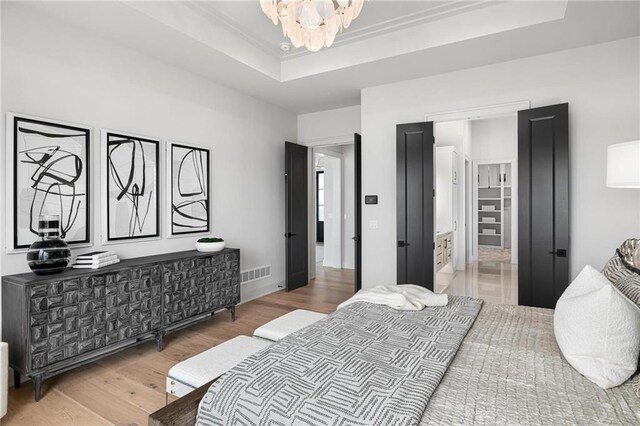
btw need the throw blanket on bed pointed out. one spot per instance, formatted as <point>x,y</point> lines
<point>406,297</point>
<point>365,364</point>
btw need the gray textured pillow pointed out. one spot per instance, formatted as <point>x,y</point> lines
<point>615,269</point>
<point>628,252</point>
<point>630,287</point>
<point>621,276</point>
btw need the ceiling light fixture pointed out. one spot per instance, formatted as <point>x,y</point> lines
<point>312,23</point>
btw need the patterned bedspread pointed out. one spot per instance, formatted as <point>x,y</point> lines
<point>509,371</point>
<point>363,365</point>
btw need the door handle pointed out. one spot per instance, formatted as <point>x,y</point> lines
<point>403,244</point>
<point>289,235</point>
<point>559,252</point>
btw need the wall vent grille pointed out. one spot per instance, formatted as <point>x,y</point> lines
<point>255,274</point>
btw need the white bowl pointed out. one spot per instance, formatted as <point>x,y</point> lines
<point>210,247</point>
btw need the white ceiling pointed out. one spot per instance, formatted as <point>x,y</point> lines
<point>233,43</point>
<point>378,16</point>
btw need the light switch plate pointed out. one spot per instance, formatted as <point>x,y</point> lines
<point>371,199</point>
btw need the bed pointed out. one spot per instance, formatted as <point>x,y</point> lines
<point>507,369</point>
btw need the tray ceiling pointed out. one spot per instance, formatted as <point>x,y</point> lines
<point>234,44</point>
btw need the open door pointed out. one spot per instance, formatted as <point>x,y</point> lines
<point>543,212</point>
<point>415,191</point>
<point>297,259</point>
<point>357,142</point>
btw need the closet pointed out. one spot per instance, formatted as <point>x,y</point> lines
<point>493,195</point>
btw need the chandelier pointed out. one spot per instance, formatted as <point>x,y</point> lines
<point>312,23</point>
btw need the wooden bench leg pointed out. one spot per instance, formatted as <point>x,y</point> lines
<point>16,379</point>
<point>233,313</point>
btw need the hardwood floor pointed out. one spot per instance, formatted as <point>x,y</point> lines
<point>124,388</point>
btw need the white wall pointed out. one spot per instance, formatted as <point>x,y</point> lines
<point>332,212</point>
<point>335,126</point>
<point>494,138</point>
<point>444,189</point>
<point>601,84</point>
<point>456,134</point>
<point>60,72</point>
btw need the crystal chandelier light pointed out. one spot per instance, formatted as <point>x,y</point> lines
<point>312,23</point>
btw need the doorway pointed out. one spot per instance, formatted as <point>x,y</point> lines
<point>522,252</point>
<point>476,162</point>
<point>334,223</point>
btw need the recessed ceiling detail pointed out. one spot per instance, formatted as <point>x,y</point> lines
<point>313,24</point>
<point>232,42</point>
<point>436,24</point>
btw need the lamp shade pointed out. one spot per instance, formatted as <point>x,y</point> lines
<point>623,165</point>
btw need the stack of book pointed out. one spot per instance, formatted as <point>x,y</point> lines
<point>96,259</point>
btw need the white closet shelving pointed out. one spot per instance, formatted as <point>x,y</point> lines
<point>494,205</point>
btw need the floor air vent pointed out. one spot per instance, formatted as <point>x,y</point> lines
<point>255,274</point>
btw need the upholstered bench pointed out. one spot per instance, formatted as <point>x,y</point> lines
<point>194,372</point>
<point>281,327</point>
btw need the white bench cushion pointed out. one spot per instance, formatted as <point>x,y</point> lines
<point>289,323</point>
<point>212,363</point>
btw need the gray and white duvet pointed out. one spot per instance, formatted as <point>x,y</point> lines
<point>508,371</point>
<point>363,365</point>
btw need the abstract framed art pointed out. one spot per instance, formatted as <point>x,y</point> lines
<point>130,187</point>
<point>188,180</point>
<point>49,173</point>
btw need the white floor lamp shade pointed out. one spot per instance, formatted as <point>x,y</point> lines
<point>623,165</point>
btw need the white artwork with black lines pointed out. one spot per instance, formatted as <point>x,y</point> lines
<point>132,193</point>
<point>188,189</point>
<point>50,166</point>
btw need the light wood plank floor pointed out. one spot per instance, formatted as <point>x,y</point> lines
<point>124,388</point>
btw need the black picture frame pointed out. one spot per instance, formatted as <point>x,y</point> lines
<point>109,142</point>
<point>202,199</point>
<point>79,131</point>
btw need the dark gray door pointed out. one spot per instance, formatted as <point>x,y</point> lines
<point>296,216</point>
<point>414,162</point>
<point>357,141</point>
<point>543,205</point>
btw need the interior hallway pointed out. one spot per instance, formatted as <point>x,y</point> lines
<point>494,282</point>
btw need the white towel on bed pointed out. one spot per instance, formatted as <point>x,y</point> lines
<point>405,297</point>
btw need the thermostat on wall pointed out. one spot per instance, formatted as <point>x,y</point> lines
<point>371,199</point>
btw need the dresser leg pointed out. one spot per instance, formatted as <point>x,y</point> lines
<point>37,385</point>
<point>160,341</point>
<point>16,379</point>
<point>233,313</point>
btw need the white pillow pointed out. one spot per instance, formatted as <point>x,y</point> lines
<point>598,329</point>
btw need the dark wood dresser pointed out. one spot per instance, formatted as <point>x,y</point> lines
<point>54,323</point>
